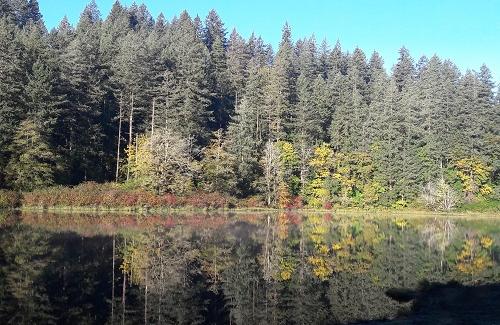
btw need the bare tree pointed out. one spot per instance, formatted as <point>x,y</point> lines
<point>439,195</point>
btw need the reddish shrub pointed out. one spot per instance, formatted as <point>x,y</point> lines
<point>295,203</point>
<point>111,196</point>
<point>252,202</point>
<point>203,200</point>
<point>169,200</point>
<point>327,205</point>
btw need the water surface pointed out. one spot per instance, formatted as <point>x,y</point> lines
<point>283,268</point>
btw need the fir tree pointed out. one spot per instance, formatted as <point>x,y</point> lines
<point>32,164</point>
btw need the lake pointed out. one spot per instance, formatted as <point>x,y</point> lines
<point>249,268</point>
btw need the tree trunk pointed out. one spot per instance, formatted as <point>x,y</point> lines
<point>113,286</point>
<point>153,118</point>
<point>130,130</point>
<point>119,141</point>
<point>146,299</point>
<point>124,288</point>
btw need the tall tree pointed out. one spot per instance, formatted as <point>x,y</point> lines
<point>237,62</point>
<point>11,86</point>
<point>281,92</point>
<point>84,72</point>
<point>32,164</point>
<point>215,40</point>
<point>185,90</point>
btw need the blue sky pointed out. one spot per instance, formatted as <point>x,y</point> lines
<point>467,32</point>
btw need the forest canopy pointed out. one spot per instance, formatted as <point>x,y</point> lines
<point>184,105</point>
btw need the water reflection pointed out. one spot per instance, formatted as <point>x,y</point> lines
<point>247,269</point>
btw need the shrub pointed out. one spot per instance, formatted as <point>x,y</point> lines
<point>252,202</point>
<point>9,199</point>
<point>481,206</point>
<point>116,196</point>
<point>327,206</point>
<point>295,202</point>
<point>206,200</point>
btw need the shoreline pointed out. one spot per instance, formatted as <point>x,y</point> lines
<point>407,212</point>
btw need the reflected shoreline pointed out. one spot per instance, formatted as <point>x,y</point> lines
<point>206,268</point>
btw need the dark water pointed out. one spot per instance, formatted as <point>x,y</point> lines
<point>248,269</point>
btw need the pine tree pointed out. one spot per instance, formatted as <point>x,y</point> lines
<point>281,93</point>
<point>11,86</point>
<point>404,71</point>
<point>32,164</point>
<point>21,12</point>
<point>488,117</point>
<point>306,123</point>
<point>185,90</point>
<point>247,131</point>
<point>114,29</point>
<point>140,18</point>
<point>215,40</point>
<point>86,77</point>
<point>348,132</point>
<point>337,63</point>
<point>237,63</point>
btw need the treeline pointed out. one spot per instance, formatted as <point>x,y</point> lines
<point>182,106</point>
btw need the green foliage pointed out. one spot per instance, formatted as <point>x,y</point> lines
<point>217,166</point>
<point>481,206</point>
<point>32,164</point>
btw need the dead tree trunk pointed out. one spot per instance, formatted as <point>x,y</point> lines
<point>130,133</point>
<point>119,141</point>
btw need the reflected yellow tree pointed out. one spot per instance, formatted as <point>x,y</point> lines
<point>474,256</point>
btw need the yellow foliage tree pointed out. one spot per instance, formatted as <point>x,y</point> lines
<point>321,162</point>
<point>474,176</point>
<point>140,162</point>
<point>473,257</point>
<point>288,180</point>
<point>135,258</point>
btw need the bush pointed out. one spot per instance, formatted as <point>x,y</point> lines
<point>115,196</point>
<point>295,202</point>
<point>206,200</point>
<point>9,199</point>
<point>481,206</point>
<point>252,202</point>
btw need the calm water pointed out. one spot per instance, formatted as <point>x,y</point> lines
<point>248,269</point>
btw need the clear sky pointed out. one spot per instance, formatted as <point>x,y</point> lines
<point>465,31</point>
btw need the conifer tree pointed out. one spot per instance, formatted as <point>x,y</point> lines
<point>86,78</point>
<point>11,86</point>
<point>215,40</point>
<point>237,63</point>
<point>87,93</point>
<point>404,70</point>
<point>281,92</point>
<point>32,164</point>
<point>185,90</point>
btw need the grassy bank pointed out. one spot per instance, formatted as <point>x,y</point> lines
<point>92,197</point>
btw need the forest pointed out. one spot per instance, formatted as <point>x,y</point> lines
<point>185,107</point>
